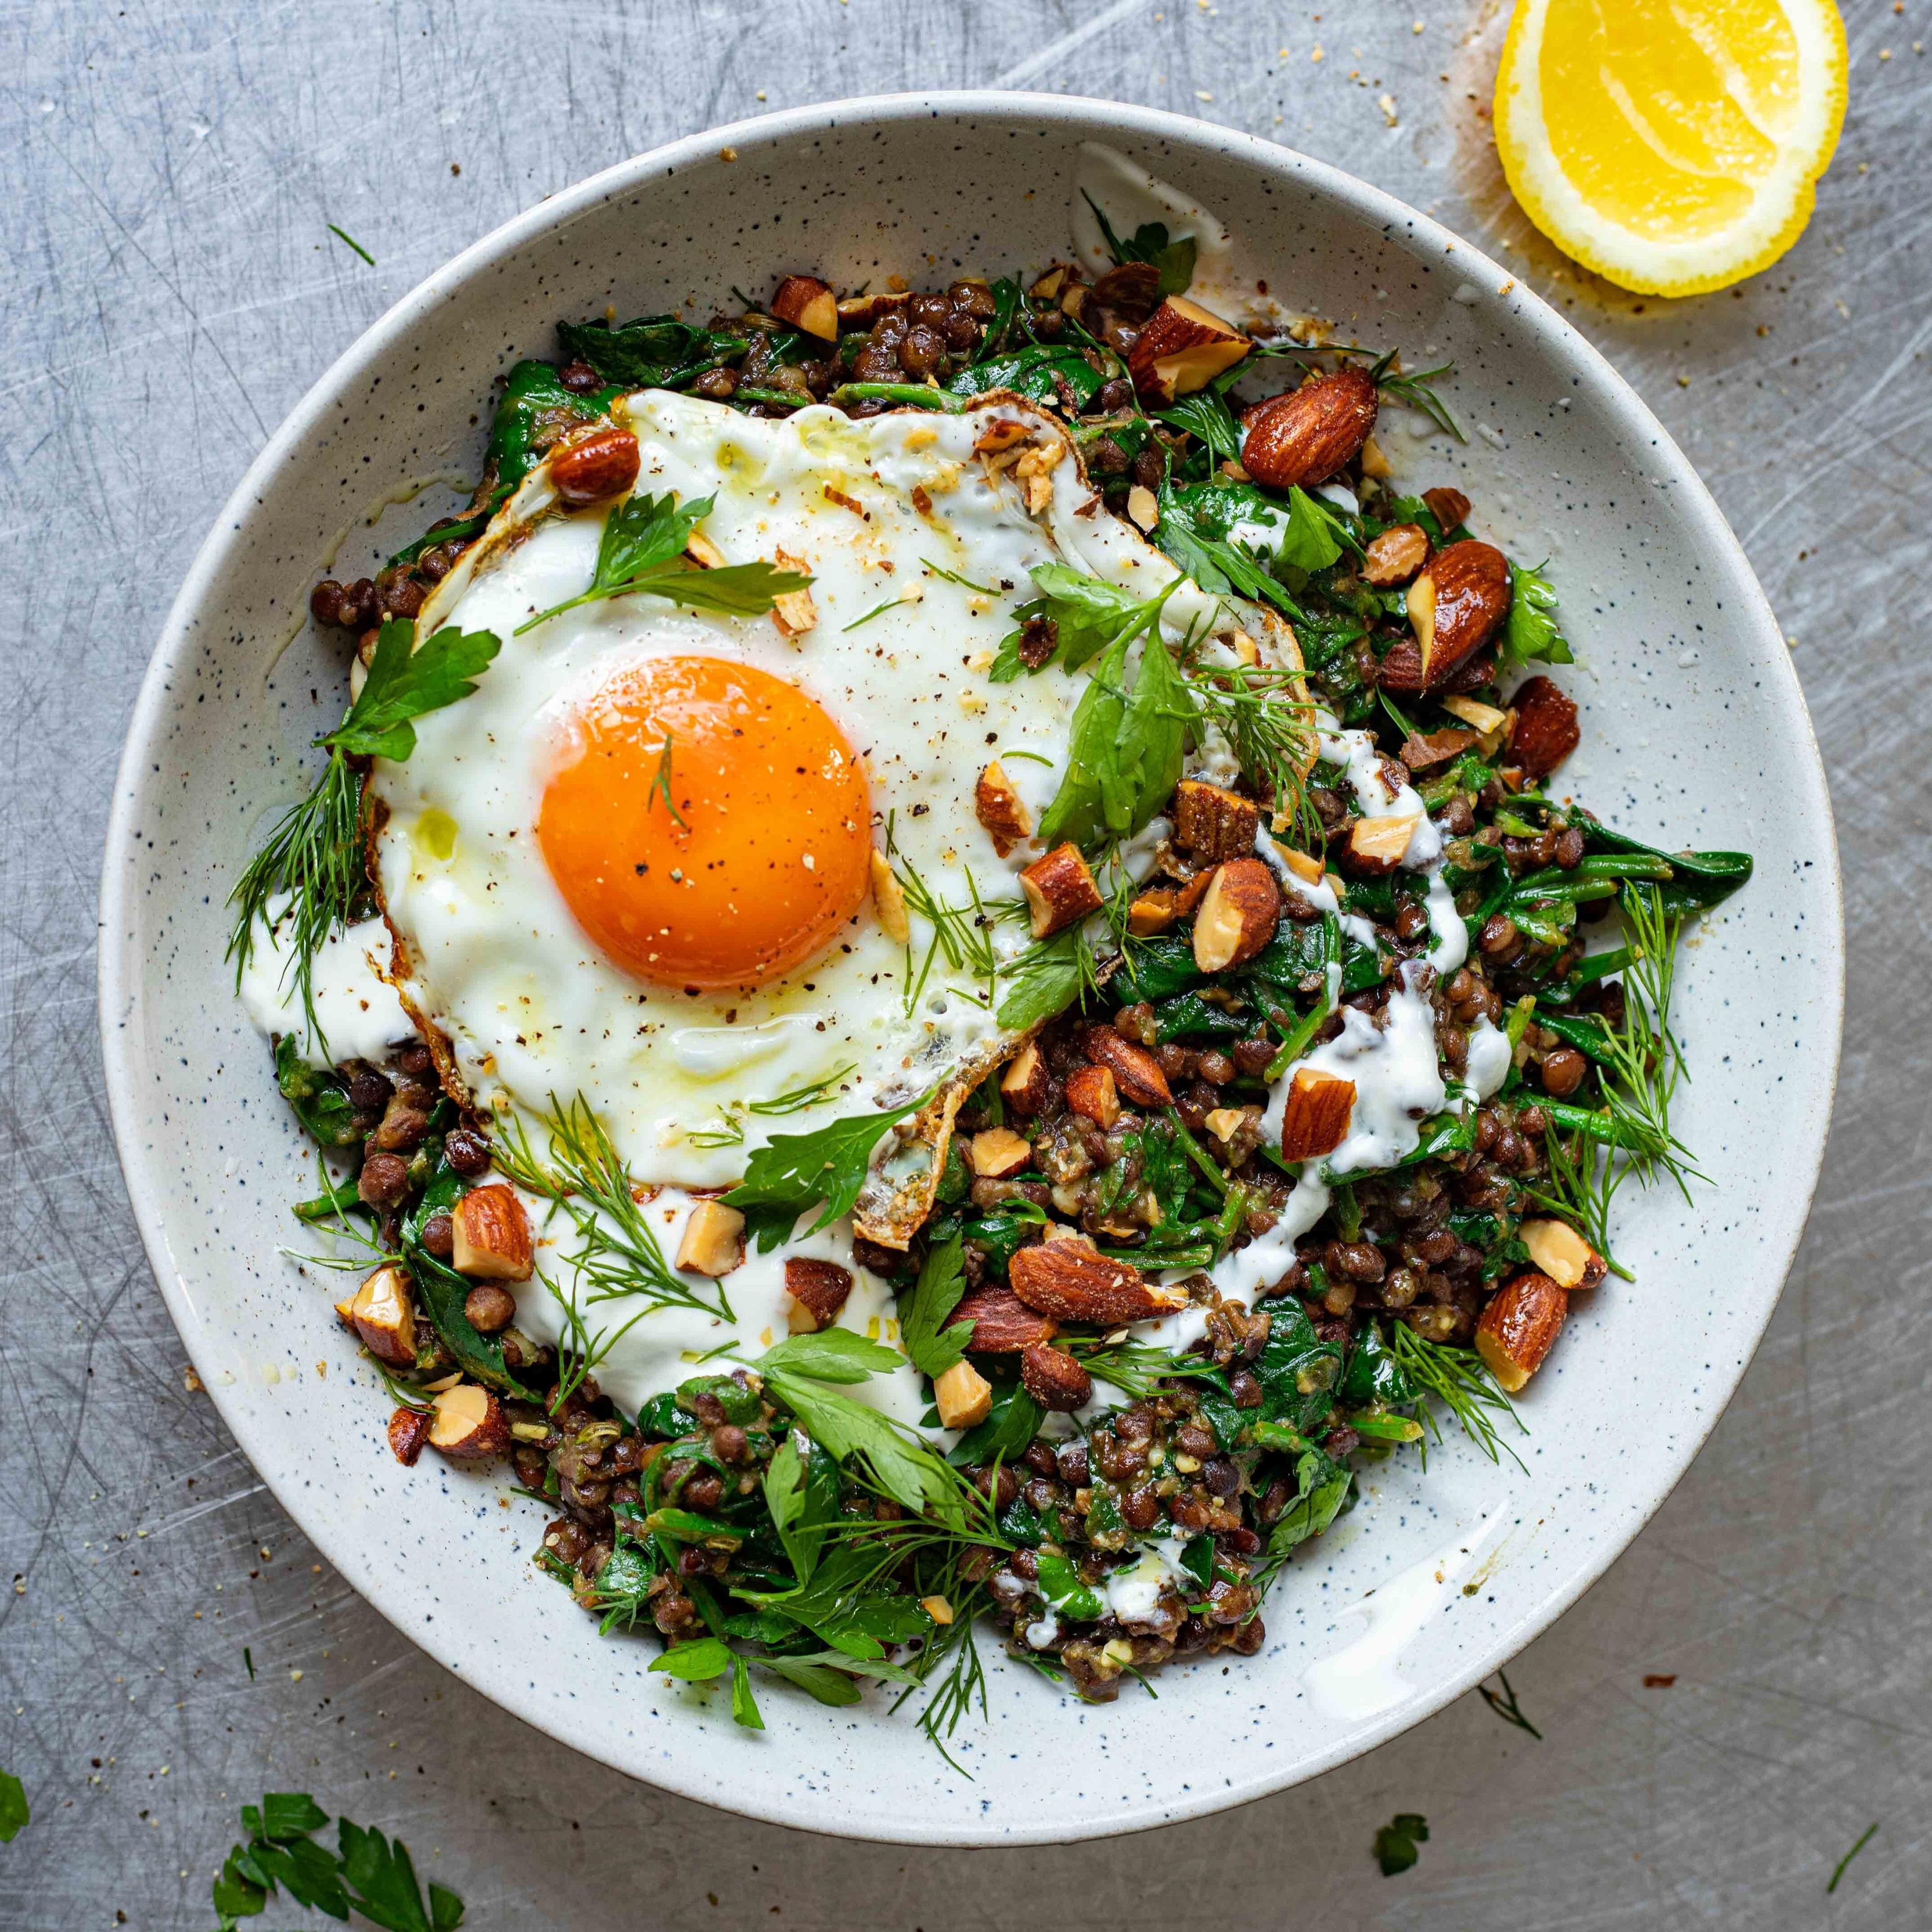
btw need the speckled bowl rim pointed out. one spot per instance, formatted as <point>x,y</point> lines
<point>121,958</point>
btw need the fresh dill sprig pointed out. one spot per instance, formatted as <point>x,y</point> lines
<point>1505,1705</point>
<point>962,935</point>
<point>730,1131</point>
<point>1459,1379</point>
<point>661,787</point>
<point>617,1256</point>
<point>1136,1368</point>
<point>1268,725</point>
<point>953,577</point>
<point>879,610</point>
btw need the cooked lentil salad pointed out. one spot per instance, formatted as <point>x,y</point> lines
<point>1303,1161</point>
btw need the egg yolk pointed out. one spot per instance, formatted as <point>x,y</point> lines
<point>708,823</point>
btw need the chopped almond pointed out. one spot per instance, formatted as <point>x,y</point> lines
<point>1003,1323</point>
<point>1237,916</point>
<point>1395,556</point>
<point>1002,434</point>
<point>1315,1119</point>
<point>1000,809</point>
<point>1480,718</point>
<point>1562,1254</point>
<point>1153,911</point>
<point>998,1153</point>
<point>1061,890</point>
<point>1519,1328</point>
<point>819,1288</point>
<point>963,1396</point>
<point>1136,1072</point>
<point>1023,1086</point>
<point>1143,506</point>
<point>713,1242</point>
<point>1055,1379</point>
<point>1181,348</point>
<point>888,901</point>
<point>1212,823</point>
<point>1091,1091</point>
<point>1421,601</point>
<point>793,611</point>
<point>1305,865</point>
<point>1377,844</point>
<point>806,303</point>
<point>467,1424</point>
<point>703,552</point>
<point>492,1235</point>
<point>937,1609</point>
<point>383,1315</point>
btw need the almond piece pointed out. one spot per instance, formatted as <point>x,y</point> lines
<point>1055,1379</point>
<point>1153,911</point>
<point>703,552</point>
<point>1074,1283</point>
<point>1518,1327</point>
<point>862,311</point>
<point>1304,436</point>
<point>888,901</point>
<point>1455,607</point>
<point>1376,845</point>
<point>492,1235</point>
<point>409,1430</point>
<point>1050,284</point>
<point>1395,556</point>
<point>1237,917</point>
<point>1194,892</point>
<point>999,1153</point>
<point>383,1316</point>
<point>1023,1086</point>
<point>1182,348</point>
<point>1003,432</point>
<point>1484,719</point>
<point>1000,809</point>
<point>1450,507</point>
<point>819,1288</point>
<point>467,1424</point>
<point>963,1396</point>
<point>1143,507</point>
<point>1375,460</point>
<point>595,466</point>
<point>1422,754</point>
<point>806,303</point>
<point>1563,1254</point>
<point>1225,1123</point>
<point>1131,289</point>
<point>792,611</point>
<point>1212,823</point>
<point>1136,1072</point>
<point>713,1242</point>
<point>1061,890</point>
<point>1315,1119</point>
<point>1546,731</point>
<point>1091,1092</point>
<point>1305,865</point>
<point>1003,1324</point>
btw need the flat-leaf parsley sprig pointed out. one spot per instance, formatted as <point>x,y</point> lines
<point>315,854</point>
<point>642,550</point>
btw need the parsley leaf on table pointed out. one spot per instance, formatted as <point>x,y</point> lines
<point>1396,1841</point>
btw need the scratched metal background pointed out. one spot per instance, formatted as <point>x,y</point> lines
<point>173,288</point>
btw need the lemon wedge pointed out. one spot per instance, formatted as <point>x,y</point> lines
<point>1672,145</point>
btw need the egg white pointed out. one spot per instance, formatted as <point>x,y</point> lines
<point>494,957</point>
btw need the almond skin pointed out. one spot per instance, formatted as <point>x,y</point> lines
<point>1315,1120</point>
<point>1055,1379</point>
<point>818,1287</point>
<point>1136,1072</point>
<point>1450,507</point>
<point>1003,1324</point>
<point>1060,890</point>
<point>1422,753</point>
<point>1214,823</point>
<point>1237,917</point>
<point>409,1430</point>
<point>1468,586</point>
<point>597,466</point>
<point>1075,1282</point>
<point>1306,435</point>
<point>1546,731</point>
<point>1519,1327</point>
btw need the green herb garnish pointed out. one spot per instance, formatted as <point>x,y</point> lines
<point>796,1171</point>
<point>1396,1841</point>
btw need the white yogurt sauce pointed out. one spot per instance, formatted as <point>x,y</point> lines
<point>1133,1594</point>
<point>358,1010</point>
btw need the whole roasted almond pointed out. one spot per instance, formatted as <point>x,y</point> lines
<point>1314,1120</point>
<point>1055,1379</point>
<point>1455,606</point>
<point>1076,1283</point>
<point>595,466</point>
<point>1237,915</point>
<point>1519,1327</point>
<point>1136,1072</point>
<point>1304,436</point>
<point>819,1287</point>
<point>1546,731</point>
<point>1003,1324</point>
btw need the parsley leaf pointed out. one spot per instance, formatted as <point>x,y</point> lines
<point>1205,414</point>
<point>1125,749</point>
<point>1396,1841</point>
<point>1532,631</point>
<point>1217,564</point>
<point>1048,978</point>
<point>1309,542</point>
<point>385,1891</point>
<point>1149,243</point>
<point>830,1355</point>
<point>795,1171</point>
<point>406,682</point>
<point>932,1347</point>
<point>697,1662</point>
<point>642,549</point>
<point>14,1809</point>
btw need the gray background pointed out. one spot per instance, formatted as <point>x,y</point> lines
<point>174,288</point>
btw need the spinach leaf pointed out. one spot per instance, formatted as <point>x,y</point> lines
<point>1036,371</point>
<point>1698,880</point>
<point>1061,1585</point>
<point>320,1100</point>
<point>1297,1372</point>
<point>656,351</point>
<point>1373,1375</point>
<point>1149,242</point>
<point>1013,1423</point>
<point>533,401</point>
<point>1188,1016</point>
<point>1186,533</point>
<point>442,1292</point>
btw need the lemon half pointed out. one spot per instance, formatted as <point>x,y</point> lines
<point>1672,145</point>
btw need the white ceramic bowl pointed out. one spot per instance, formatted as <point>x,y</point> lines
<point>1695,733</point>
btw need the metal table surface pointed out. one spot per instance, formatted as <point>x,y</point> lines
<point>174,287</point>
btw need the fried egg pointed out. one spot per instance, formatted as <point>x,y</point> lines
<point>637,864</point>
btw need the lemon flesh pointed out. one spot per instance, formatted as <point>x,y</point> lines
<point>1672,145</point>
